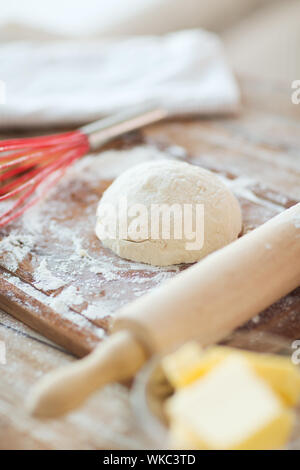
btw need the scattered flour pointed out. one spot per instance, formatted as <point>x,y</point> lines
<point>55,303</point>
<point>59,306</point>
<point>94,312</point>
<point>71,296</point>
<point>44,279</point>
<point>256,319</point>
<point>14,248</point>
<point>113,162</point>
<point>48,234</point>
<point>242,186</point>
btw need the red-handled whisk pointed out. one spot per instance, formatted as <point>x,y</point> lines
<point>30,167</point>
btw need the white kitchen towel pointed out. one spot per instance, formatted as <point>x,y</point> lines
<point>73,82</point>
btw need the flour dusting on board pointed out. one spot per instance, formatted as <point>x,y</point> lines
<point>14,248</point>
<point>44,279</point>
<point>70,294</point>
<point>63,265</point>
<point>71,272</point>
<point>112,163</point>
<point>67,297</point>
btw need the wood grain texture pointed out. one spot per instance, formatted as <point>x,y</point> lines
<point>257,154</point>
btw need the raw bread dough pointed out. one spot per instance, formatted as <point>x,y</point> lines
<point>168,182</point>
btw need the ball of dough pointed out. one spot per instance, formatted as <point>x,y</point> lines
<point>138,193</point>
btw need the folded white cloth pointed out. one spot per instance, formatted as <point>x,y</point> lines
<point>71,82</point>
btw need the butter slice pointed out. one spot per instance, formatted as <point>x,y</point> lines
<point>190,363</point>
<point>183,366</point>
<point>230,408</point>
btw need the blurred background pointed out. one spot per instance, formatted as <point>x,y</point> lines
<point>262,37</point>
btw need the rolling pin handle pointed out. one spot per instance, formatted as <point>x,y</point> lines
<point>62,390</point>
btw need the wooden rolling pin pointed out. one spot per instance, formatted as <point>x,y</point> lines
<point>206,302</point>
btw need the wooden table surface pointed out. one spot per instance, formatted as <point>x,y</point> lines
<point>266,129</point>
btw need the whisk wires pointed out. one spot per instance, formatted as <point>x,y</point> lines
<point>30,167</point>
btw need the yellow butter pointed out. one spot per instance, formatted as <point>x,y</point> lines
<point>182,366</point>
<point>230,407</point>
<point>190,363</point>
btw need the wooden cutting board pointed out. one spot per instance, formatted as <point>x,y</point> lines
<point>56,276</point>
